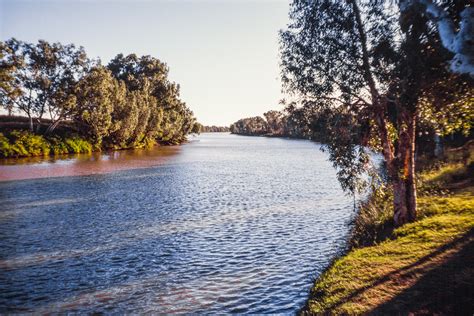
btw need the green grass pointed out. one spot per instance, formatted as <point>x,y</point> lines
<point>415,265</point>
<point>26,144</point>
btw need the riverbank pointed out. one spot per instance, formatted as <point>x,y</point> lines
<point>423,268</point>
<point>23,143</point>
<point>18,143</point>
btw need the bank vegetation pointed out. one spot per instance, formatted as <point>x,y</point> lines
<point>55,95</point>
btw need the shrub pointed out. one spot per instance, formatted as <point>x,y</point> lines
<point>58,147</point>
<point>5,147</point>
<point>78,145</point>
<point>374,222</point>
<point>24,143</point>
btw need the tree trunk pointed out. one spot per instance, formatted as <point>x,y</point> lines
<point>38,127</point>
<point>400,209</point>
<point>52,127</point>
<point>31,123</point>
<point>411,177</point>
<point>404,180</point>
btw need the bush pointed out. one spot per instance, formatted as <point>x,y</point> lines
<point>78,145</point>
<point>58,147</point>
<point>5,147</point>
<point>374,222</point>
<point>24,144</point>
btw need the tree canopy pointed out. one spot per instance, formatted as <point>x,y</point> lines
<point>372,70</point>
<point>128,103</point>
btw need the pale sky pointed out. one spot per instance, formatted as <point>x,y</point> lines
<point>223,53</point>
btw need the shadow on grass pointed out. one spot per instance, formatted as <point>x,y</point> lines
<point>446,289</point>
<point>444,282</point>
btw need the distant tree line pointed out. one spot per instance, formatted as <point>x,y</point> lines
<point>293,121</point>
<point>214,129</point>
<point>130,102</point>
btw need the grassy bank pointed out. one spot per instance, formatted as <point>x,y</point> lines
<point>26,144</point>
<point>424,267</point>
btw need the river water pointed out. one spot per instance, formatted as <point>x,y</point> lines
<point>223,224</point>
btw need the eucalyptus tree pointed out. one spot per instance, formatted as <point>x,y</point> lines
<point>45,76</point>
<point>60,67</point>
<point>274,122</point>
<point>17,53</point>
<point>367,66</point>
<point>8,90</point>
<point>298,120</point>
<point>250,126</point>
<point>95,95</point>
<point>455,32</point>
<point>169,118</point>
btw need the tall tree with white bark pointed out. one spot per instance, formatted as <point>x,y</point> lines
<point>456,32</point>
<point>369,65</point>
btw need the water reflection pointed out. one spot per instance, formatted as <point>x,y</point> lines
<point>226,224</point>
<point>84,164</point>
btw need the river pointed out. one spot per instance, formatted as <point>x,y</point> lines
<point>223,224</point>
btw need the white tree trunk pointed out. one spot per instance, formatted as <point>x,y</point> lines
<point>460,43</point>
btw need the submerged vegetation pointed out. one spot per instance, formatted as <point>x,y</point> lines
<point>423,267</point>
<point>128,103</point>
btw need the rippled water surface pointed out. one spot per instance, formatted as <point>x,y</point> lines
<point>223,224</point>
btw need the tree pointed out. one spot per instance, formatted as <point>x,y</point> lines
<point>94,95</point>
<point>456,33</point>
<point>274,122</point>
<point>197,128</point>
<point>129,103</point>
<point>45,76</point>
<point>8,90</point>
<point>16,53</point>
<point>250,126</point>
<point>170,120</point>
<point>360,64</point>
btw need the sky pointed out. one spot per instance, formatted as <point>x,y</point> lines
<point>223,53</point>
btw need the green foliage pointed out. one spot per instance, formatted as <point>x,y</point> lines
<point>77,145</point>
<point>214,129</point>
<point>374,221</point>
<point>25,144</point>
<point>250,126</point>
<point>448,109</point>
<point>28,144</point>
<point>95,103</point>
<point>154,109</point>
<point>293,121</point>
<point>5,147</point>
<point>129,103</point>
<point>58,146</point>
